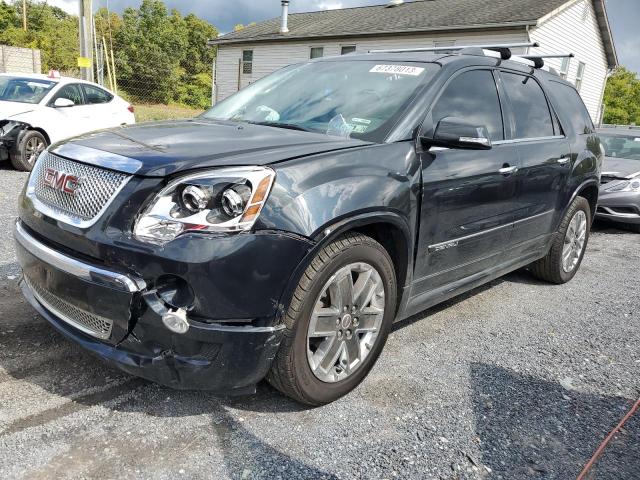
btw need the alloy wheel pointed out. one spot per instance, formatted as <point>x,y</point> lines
<point>574,241</point>
<point>346,321</point>
<point>33,149</point>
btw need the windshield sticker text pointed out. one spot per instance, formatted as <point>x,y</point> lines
<point>397,70</point>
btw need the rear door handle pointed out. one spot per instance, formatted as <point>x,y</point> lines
<point>564,160</point>
<point>508,170</point>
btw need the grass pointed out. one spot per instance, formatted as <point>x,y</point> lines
<point>148,113</point>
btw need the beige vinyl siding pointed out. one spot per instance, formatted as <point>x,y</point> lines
<point>269,57</point>
<point>574,29</point>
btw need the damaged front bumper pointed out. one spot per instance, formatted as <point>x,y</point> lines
<point>78,298</point>
<point>10,134</point>
<point>229,360</point>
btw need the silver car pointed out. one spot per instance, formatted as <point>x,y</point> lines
<point>620,187</point>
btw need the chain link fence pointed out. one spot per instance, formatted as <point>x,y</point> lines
<point>158,60</point>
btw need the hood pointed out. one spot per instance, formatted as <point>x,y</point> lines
<point>9,109</point>
<point>620,167</point>
<point>164,148</point>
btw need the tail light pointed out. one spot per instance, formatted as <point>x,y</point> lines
<point>131,109</point>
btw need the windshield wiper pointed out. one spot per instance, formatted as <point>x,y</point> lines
<point>289,126</point>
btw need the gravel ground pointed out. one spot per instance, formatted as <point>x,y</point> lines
<point>517,379</point>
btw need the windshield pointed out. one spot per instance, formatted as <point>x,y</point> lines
<point>357,99</point>
<point>619,146</point>
<point>24,90</point>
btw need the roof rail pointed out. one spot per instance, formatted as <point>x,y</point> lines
<point>538,60</point>
<point>503,49</point>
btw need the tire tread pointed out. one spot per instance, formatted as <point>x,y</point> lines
<point>282,373</point>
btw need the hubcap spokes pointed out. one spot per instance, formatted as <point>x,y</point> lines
<point>345,322</point>
<point>33,148</point>
<point>574,241</point>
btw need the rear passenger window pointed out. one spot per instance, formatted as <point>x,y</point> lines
<point>530,108</point>
<point>472,96</point>
<point>70,92</point>
<point>95,95</point>
<point>568,102</point>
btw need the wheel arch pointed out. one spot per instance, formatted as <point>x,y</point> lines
<point>389,229</point>
<point>590,190</point>
<point>43,132</point>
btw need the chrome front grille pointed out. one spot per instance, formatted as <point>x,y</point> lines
<point>96,188</point>
<point>84,321</point>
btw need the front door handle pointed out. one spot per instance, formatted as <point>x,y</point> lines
<point>564,160</point>
<point>507,170</point>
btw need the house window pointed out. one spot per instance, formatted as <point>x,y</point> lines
<point>445,43</point>
<point>580,75</point>
<point>316,52</point>
<point>347,49</point>
<point>247,62</point>
<point>564,68</point>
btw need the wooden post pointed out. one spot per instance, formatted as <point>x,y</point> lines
<point>24,15</point>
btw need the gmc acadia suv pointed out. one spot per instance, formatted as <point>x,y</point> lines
<point>281,233</point>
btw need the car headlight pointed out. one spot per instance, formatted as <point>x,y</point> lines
<point>626,186</point>
<point>224,200</point>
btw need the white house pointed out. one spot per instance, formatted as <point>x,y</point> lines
<point>580,27</point>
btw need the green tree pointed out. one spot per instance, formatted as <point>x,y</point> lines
<point>149,48</point>
<point>622,98</point>
<point>50,29</point>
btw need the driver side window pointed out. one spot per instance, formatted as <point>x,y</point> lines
<point>70,92</point>
<point>472,96</point>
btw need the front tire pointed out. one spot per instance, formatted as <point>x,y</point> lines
<point>27,152</point>
<point>569,244</point>
<point>338,321</point>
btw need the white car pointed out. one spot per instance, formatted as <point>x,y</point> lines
<point>38,110</point>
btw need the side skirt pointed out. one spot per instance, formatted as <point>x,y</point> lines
<point>423,301</point>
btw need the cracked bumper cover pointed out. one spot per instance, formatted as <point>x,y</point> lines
<point>236,358</point>
<point>212,355</point>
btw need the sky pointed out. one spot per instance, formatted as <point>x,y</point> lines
<point>224,14</point>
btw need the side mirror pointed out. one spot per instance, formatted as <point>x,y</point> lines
<point>63,103</point>
<point>454,132</point>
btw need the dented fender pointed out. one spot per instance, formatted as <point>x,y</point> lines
<point>11,133</point>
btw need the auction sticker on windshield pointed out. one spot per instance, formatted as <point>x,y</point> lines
<point>398,70</point>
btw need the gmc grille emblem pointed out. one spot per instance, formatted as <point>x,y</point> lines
<point>61,181</point>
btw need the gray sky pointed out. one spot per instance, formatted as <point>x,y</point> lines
<point>224,14</point>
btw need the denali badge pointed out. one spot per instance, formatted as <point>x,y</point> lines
<point>61,181</point>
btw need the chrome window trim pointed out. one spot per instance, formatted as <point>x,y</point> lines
<point>65,217</point>
<point>81,270</point>
<point>527,140</point>
<point>511,142</point>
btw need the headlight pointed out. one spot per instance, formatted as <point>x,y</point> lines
<point>225,200</point>
<point>626,186</point>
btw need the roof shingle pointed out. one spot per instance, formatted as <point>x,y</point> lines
<point>415,16</point>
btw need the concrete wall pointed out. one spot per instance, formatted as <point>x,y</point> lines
<point>19,60</point>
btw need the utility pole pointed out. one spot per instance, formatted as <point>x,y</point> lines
<point>85,62</point>
<point>24,15</point>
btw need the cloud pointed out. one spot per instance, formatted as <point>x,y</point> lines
<point>224,14</point>
<point>623,16</point>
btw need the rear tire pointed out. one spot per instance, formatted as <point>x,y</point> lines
<point>332,338</point>
<point>27,152</point>
<point>568,247</point>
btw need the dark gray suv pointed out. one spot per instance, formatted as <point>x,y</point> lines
<point>281,233</point>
